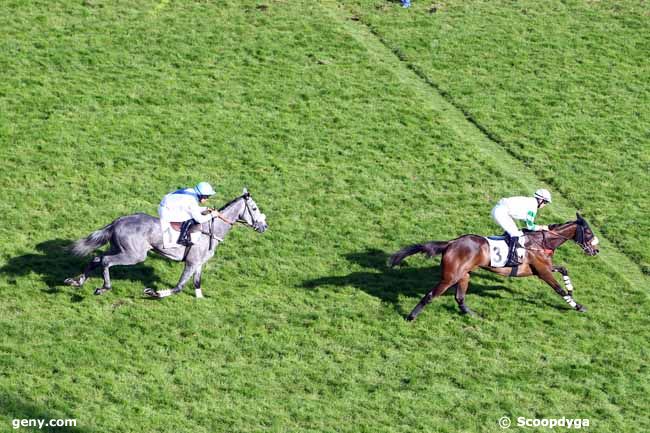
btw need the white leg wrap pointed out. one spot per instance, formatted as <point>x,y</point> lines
<point>569,300</point>
<point>198,293</point>
<point>165,293</point>
<point>567,283</point>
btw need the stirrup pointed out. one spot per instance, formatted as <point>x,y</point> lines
<point>185,242</point>
<point>184,237</point>
<point>512,262</point>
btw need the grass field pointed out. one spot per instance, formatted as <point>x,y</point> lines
<point>561,86</point>
<point>356,135</point>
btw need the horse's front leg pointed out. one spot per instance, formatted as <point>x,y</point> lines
<point>197,282</point>
<point>546,274</point>
<point>185,276</point>
<point>565,276</point>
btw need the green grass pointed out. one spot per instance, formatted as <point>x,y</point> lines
<point>561,86</point>
<point>106,106</point>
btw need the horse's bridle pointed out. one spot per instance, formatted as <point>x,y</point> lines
<point>579,238</point>
<point>253,223</point>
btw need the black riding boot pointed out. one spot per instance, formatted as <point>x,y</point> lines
<point>513,260</point>
<point>184,237</point>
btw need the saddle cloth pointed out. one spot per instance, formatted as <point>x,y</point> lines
<point>499,251</point>
<point>171,232</point>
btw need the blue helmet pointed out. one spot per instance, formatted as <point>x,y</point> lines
<point>204,188</point>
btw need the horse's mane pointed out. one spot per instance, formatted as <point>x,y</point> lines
<point>554,226</point>
<point>230,202</point>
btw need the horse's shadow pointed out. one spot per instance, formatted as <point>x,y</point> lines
<point>53,263</point>
<point>16,409</point>
<point>389,284</point>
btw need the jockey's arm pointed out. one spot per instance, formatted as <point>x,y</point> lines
<point>530,223</point>
<point>199,214</point>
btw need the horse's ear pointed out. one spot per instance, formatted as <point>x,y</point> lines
<point>245,192</point>
<point>579,217</point>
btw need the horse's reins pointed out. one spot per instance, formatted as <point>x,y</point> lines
<point>224,219</point>
<point>550,251</point>
<point>227,221</point>
<point>546,250</point>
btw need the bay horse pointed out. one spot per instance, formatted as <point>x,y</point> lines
<point>131,237</point>
<point>464,254</point>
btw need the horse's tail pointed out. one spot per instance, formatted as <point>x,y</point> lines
<point>429,248</point>
<point>93,241</point>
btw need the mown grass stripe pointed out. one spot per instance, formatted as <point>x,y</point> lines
<point>487,143</point>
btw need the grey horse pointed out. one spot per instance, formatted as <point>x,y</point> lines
<point>131,237</point>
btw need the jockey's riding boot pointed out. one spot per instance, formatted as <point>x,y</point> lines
<point>513,260</point>
<point>184,237</point>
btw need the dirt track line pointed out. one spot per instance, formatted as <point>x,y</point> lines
<point>492,147</point>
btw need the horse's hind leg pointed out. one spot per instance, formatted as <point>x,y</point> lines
<point>441,288</point>
<point>461,290</point>
<point>81,279</point>
<point>124,258</point>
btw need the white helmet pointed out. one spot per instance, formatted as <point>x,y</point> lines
<point>204,188</point>
<point>543,194</point>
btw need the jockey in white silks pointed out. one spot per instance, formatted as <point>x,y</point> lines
<point>183,206</point>
<point>519,208</point>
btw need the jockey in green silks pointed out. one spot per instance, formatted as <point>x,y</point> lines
<point>507,210</point>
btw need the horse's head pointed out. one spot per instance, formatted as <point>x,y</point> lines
<point>251,214</point>
<point>585,236</point>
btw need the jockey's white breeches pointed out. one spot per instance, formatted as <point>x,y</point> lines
<point>501,216</point>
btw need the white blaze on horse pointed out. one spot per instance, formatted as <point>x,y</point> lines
<point>131,237</point>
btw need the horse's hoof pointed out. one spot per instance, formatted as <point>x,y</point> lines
<point>100,290</point>
<point>410,318</point>
<point>581,308</point>
<point>466,311</point>
<point>151,293</point>
<point>74,282</point>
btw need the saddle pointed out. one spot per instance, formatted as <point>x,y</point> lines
<point>176,226</point>
<point>500,250</point>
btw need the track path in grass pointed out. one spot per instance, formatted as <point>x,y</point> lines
<point>351,155</point>
<point>556,84</point>
<point>460,120</point>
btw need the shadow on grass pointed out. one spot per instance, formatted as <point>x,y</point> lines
<point>17,409</point>
<point>53,263</point>
<point>388,284</point>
